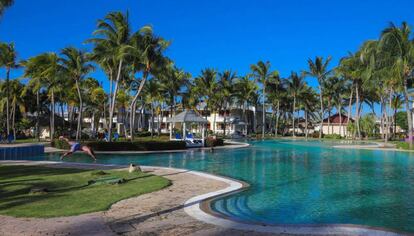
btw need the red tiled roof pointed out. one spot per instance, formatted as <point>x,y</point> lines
<point>334,119</point>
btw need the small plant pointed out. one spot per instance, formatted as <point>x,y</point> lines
<point>332,136</point>
<point>213,142</point>
<point>60,144</point>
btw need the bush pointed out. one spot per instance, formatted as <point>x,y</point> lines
<point>213,142</point>
<point>315,134</point>
<point>60,144</point>
<point>143,134</point>
<point>332,136</point>
<point>137,146</point>
<point>403,145</point>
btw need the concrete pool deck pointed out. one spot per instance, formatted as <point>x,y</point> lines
<point>175,210</point>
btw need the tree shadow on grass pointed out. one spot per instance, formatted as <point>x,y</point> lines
<point>15,171</point>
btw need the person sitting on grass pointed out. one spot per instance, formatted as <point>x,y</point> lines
<point>75,146</point>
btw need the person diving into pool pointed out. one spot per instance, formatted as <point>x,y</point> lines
<point>75,146</point>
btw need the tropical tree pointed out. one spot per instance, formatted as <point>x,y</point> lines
<point>318,68</point>
<point>226,82</point>
<point>76,64</point>
<point>8,60</point>
<point>52,75</point>
<point>206,87</point>
<point>244,91</point>
<point>397,41</point>
<point>146,53</point>
<point>295,87</point>
<point>4,4</point>
<point>261,72</point>
<point>153,94</point>
<point>111,45</point>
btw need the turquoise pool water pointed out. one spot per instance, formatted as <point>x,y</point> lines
<point>299,182</point>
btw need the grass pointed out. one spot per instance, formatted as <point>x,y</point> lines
<point>402,145</point>
<point>68,190</point>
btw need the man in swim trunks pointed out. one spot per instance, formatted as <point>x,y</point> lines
<point>77,147</point>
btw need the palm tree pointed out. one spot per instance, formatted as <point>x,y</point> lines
<point>153,95</point>
<point>146,53</point>
<point>261,72</point>
<point>75,64</point>
<point>309,102</point>
<point>295,86</point>
<point>226,82</point>
<point>34,67</point>
<point>4,4</point>
<point>244,92</point>
<point>319,69</point>
<point>112,42</point>
<point>52,76</point>
<point>397,40</point>
<point>206,87</point>
<point>276,93</point>
<point>8,61</point>
<point>396,103</point>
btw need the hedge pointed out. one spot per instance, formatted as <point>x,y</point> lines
<point>213,142</point>
<point>137,146</point>
<point>60,144</point>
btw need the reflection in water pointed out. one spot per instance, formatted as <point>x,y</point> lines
<point>302,182</point>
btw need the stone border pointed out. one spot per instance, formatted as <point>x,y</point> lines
<point>199,207</point>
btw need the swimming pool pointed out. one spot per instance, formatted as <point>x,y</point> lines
<point>300,182</point>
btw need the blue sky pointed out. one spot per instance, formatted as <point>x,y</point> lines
<point>228,34</point>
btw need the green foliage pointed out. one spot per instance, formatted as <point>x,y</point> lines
<point>401,120</point>
<point>368,127</point>
<point>403,145</point>
<point>137,146</point>
<point>68,192</point>
<point>60,144</point>
<point>143,134</point>
<point>213,142</point>
<point>332,136</point>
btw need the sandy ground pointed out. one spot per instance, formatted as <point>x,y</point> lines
<point>157,213</point>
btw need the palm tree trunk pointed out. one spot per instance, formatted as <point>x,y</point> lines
<point>277,117</point>
<point>340,120</point>
<point>349,108</point>
<point>409,115</point>
<point>245,118</point>
<point>306,124</point>
<point>14,119</point>
<point>214,123</point>
<point>293,116</point>
<point>357,111</point>
<point>329,116</point>
<point>7,100</point>
<point>52,119</point>
<point>134,101</point>
<point>37,115</point>
<point>112,106</point>
<point>321,111</point>
<point>152,120</point>
<point>382,118</point>
<point>264,111</point>
<point>79,127</point>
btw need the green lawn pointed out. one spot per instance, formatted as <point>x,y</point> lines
<point>69,192</point>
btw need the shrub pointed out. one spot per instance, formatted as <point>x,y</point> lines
<point>137,145</point>
<point>143,134</point>
<point>332,136</point>
<point>213,142</point>
<point>315,134</point>
<point>60,144</point>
